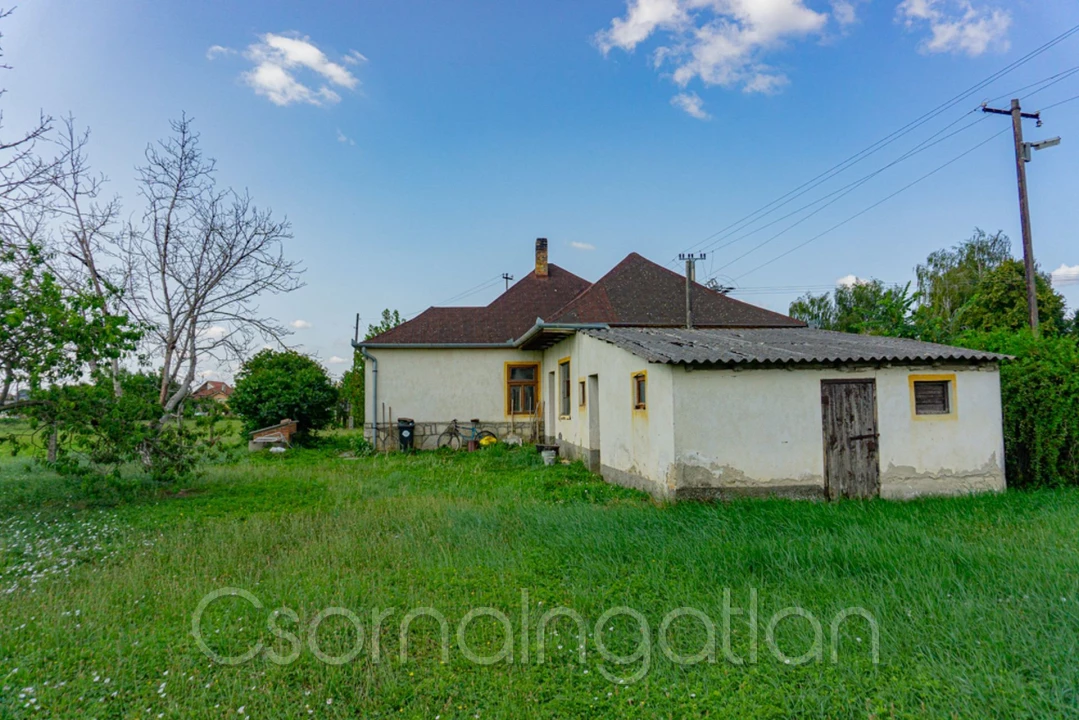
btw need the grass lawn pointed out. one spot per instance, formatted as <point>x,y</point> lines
<point>976,599</point>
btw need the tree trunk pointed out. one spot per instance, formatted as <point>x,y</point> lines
<point>53,442</point>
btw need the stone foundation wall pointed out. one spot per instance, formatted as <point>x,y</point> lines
<point>427,433</point>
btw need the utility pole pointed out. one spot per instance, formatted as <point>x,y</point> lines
<point>1021,155</point>
<point>508,278</point>
<point>691,277</point>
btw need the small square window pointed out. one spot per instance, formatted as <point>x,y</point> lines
<point>640,391</point>
<point>932,397</point>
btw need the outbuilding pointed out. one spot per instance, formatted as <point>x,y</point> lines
<point>660,383</point>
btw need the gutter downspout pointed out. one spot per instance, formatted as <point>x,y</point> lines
<point>374,391</point>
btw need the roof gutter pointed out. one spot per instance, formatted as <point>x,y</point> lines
<point>541,326</point>
<point>431,346</point>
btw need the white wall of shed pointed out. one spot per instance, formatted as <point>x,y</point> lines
<point>762,428</point>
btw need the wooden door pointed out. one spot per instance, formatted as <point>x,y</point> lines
<point>851,455</point>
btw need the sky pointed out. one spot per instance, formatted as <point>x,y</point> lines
<point>419,148</point>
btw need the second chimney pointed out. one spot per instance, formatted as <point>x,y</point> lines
<point>541,257</point>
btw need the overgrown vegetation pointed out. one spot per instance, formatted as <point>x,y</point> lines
<point>273,386</point>
<point>98,623</point>
<point>974,295</point>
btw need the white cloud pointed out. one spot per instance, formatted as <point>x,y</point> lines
<point>216,51</point>
<point>335,360</point>
<point>215,332</point>
<point>957,26</point>
<point>1066,275</point>
<point>300,324</point>
<point>843,12</point>
<point>354,57</point>
<point>582,245</point>
<point>692,104</point>
<point>342,138</point>
<point>850,281</point>
<point>721,42</point>
<point>280,58</point>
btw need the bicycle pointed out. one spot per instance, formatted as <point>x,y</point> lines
<point>453,438</point>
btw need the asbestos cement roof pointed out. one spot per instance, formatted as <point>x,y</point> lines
<point>777,346</point>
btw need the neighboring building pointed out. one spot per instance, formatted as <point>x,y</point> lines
<point>213,390</point>
<point>748,401</point>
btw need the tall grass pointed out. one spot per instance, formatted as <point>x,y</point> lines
<point>975,598</point>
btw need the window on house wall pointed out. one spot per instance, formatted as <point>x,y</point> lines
<point>580,393</point>
<point>932,397</point>
<point>565,385</point>
<point>640,391</point>
<point>522,383</point>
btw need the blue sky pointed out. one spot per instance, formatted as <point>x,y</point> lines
<point>419,148</point>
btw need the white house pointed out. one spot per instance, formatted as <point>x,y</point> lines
<point>745,401</point>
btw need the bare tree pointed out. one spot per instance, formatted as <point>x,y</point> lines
<point>199,261</point>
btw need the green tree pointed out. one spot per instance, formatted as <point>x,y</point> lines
<point>1040,394</point>
<point>274,385</point>
<point>948,279</point>
<point>865,307</point>
<point>999,302</point>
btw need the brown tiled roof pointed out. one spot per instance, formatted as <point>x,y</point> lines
<point>212,387</point>
<point>638,292</point>
<point>505,319</point>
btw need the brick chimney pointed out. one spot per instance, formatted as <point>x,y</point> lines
<point>541,257</point>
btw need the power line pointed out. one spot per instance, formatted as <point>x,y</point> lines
<point>843,191</point>
<point>460,296</point>
<point>1057,104</point>
<point>885,141</point>
<point>1060,76</point>
<point>876,204</point>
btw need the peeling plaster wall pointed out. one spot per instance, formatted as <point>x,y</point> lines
<point>759,432</point>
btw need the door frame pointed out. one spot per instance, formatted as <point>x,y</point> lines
<point>595,462</point>
<point>872,383</point>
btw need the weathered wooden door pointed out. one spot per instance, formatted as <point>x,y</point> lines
<point>851,455</point>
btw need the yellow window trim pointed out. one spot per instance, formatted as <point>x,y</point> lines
<point>638,409</point>
<point>564,361</point>
<point>953,405</point>
<point>509,365</point>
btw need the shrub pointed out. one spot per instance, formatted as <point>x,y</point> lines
<point>1040,393</point>
<point>272,386</point>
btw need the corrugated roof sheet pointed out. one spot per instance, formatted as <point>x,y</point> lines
<point>777,346</point>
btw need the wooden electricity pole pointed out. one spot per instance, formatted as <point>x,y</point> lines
<point>691,277</point>
<point>1024,203</point>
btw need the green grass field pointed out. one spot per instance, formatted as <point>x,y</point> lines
<point>976,599</point>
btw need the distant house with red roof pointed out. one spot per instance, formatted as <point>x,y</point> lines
<point>659,382</point>
<point>213,390</point>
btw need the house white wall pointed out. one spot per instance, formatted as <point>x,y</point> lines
<point>707,432</point>
<point>435,386</point>
<point>636,446</point>
<point>760,431</point>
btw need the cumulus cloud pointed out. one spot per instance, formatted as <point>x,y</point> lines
<point>582,245</point>
<point>957,26</point>
<point>1066,275</point>
<point>215,332</point>
<point>850,281</point>
<point>336,360</point>
<point>289,69</point>
<point>300,324</point>
<point>692,104</point>
<point>721,42</point>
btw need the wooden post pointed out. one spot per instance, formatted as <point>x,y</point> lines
<point>1024,216</point>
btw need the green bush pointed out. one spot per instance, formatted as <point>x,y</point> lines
<point>1040,393</point>
<point>272,386</point>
